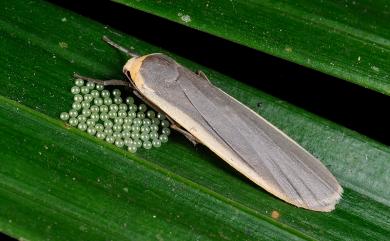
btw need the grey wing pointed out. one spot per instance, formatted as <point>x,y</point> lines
<point>285,168</point>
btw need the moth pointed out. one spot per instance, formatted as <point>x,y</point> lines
<point>245,140</point>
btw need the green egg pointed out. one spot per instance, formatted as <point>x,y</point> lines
<point>129,100</point>
<point>166,131</point>
<point>90,85</point>
<point>103,108</point>
<point>128,141</point>
<point>99,127</point>
<point>122,114</point>
<point>103,116</point>
<point>105,94</point>
<point>146,122</point>
<point>137,143</point>
<point>91,130</point>
<point>75,90</point>
<point>88,97</point>
<point>94,116</point>
<point>73,121</point>
<point>135,135</point>
<point>95,93</point>
<point>79,82</point>
<point>150,114</point>
<point>110,139</point>
<point>147,145</point>
<point>132,108</point>
<point>122,107</point>
<point>84,89</point>
<point>155,121</point>
<point>161,116</point>
<point>141,115</point>
<point>90,122</point>
<point>127,120</point>
<point>108,124</point>
<point>118,120</point>
<point>98,101</point>
<point>64,116</point>
<point>142,108</point>
<point>163,138</point>
<point>156,143</point>
<point>165,123</point>
<point>94,109</point>
<point>76,106</point>
<point>131,115</point>
<point>107,101</point>
<point>132,149</point>
<point>117,135</point>
<point>114,107</point>
<point>82,126</point>
<point>119,143</point>
<point>126,134</point>
<point>137,122</point>
<point>153,135</point>
<point>81,118</point>
<point>77,98</point>
<point>144,136</point>
<point>73,113</point>
<point>117,100</point>
<point>108,131</point>
<point>112,114</point>
<point>100,135</point>
<point>153,127</point>
<point>86,112</point>
<point>99,87</point>
<point>116,92</point>
<point>145,129</point>
<point>126,126</point>
<point>85,104</point>
<point>117,127</point>
<point>135,128</point>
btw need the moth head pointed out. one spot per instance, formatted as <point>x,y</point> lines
<point>131,70</point>
<point>150,71</point>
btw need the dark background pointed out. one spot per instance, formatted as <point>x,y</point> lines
<point>4,237</point>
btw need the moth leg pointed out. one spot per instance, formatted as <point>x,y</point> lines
<point>178,128</point>
<point>136,93</point>
<point>203,75</point>
<point>188,135</point>
<point>103,82</point>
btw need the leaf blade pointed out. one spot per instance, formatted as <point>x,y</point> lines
<point>331,37</point>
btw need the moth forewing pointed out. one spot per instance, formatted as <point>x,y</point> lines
<point>234,132</point>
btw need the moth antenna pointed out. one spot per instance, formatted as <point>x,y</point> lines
<point>120,48</point>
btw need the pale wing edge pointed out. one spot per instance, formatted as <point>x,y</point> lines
<point>326,204</point>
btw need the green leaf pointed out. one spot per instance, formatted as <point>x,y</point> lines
<point>346,39</point>
<point>59,183</point>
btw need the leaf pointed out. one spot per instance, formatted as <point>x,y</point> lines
<point>346,39</point>
<point>58,183</point>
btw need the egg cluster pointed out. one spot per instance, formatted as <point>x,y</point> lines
<point>107,116</point>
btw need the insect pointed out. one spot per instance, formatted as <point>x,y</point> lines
<point>205,114</point>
